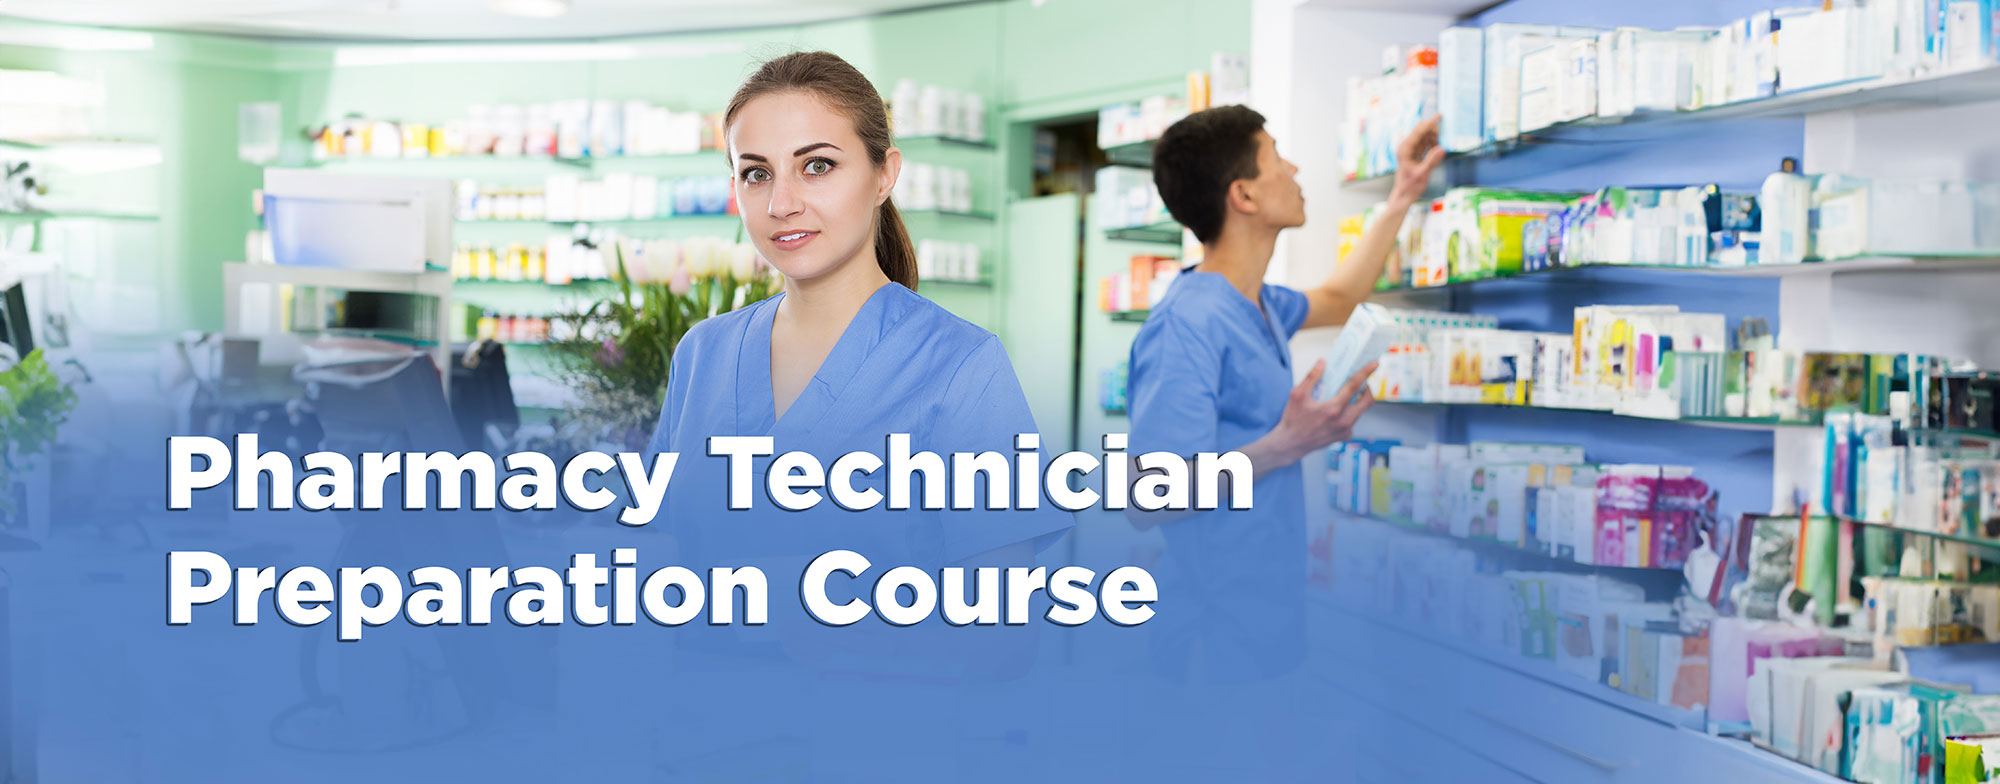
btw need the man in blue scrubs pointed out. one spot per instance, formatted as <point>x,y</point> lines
<point>1211,371</point>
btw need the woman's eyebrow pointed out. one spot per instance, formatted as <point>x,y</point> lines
<point>810,147</point>
<point>751,156</point>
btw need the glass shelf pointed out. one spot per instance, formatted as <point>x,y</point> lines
<point>1962,537</point>
<point>1138,154</point>
<point>547,223</point>
<point>1953,87</point>
<point>1596,269</point>
<point>540,284</point>
<point>78,215</point>
<point>51,143</point>
<point>947,141</point>
<point>1731,423</point>
<point>449,160</point>
<point>1127,315</point>
<point>715,156</point>
<point>1497,546</point>
<point>977,216</point>
<point>701,216</point>
<point>1168,233</point>
<point>982,284</point>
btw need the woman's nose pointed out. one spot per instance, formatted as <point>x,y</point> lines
<point>785,200</point>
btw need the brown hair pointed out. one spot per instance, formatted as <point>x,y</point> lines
<point>831,79</point>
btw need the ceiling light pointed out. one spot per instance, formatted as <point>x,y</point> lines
<point>539,9</point>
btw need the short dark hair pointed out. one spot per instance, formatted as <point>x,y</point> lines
<point>1198,157</point>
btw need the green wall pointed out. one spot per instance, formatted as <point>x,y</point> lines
<point>181,94</point>
<point>1032,62</point>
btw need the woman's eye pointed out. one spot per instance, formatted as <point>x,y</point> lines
<point>819,166</point>
<point>756,175</point>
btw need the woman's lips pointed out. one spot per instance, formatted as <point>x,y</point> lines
<point>793,240</point>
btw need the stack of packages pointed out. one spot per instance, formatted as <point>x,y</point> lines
<point>1539,497</point>
<point>1497,83</point>
<point>1811,696</point>
<point>1385,108</point>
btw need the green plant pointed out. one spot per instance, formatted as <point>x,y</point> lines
<point>33,403</point>
<point>619,352</point>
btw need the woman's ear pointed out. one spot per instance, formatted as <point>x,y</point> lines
<point>890,170</point>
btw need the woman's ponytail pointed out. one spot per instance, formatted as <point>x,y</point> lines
<point>892,246</point>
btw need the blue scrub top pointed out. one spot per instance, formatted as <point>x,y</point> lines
<point>904,365</point>
<point>1210,372</point>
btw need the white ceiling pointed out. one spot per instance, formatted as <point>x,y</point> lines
<point>442,20</point>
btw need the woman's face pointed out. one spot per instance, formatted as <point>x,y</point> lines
<point>804,184</point>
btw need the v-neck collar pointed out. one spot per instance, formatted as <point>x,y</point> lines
<point>1254,309</point>
<point>839,368</point>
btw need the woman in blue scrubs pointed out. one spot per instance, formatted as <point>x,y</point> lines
<point>845,356</point>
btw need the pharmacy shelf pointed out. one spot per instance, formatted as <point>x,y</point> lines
<point>1515,551</point>
<point>713,156</point>
<point>42,215</point>
<point>1728,423</point>
<point>1938,89</point>
<point>979,284</point>
<point>426,161</point>
<point>1138,154</point>
<point>1540,670</point>
<point>946,141</point>
<point>1962,538</point>
<point>703,217</point>
<point>538,284</point>
<point>429,282</point>
<point>59,142</point>
<point>1165,233</point>
<point>1600,271</point>
<point>954,214</point>
<point>1127,315</point>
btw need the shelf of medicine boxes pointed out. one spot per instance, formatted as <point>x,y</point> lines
<point>1731,423</point>
<point>1811,267</point>
<point>980,284</point>
<point>1133,316</point>
<point>1163,233</point>
<point>1937,89</point>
